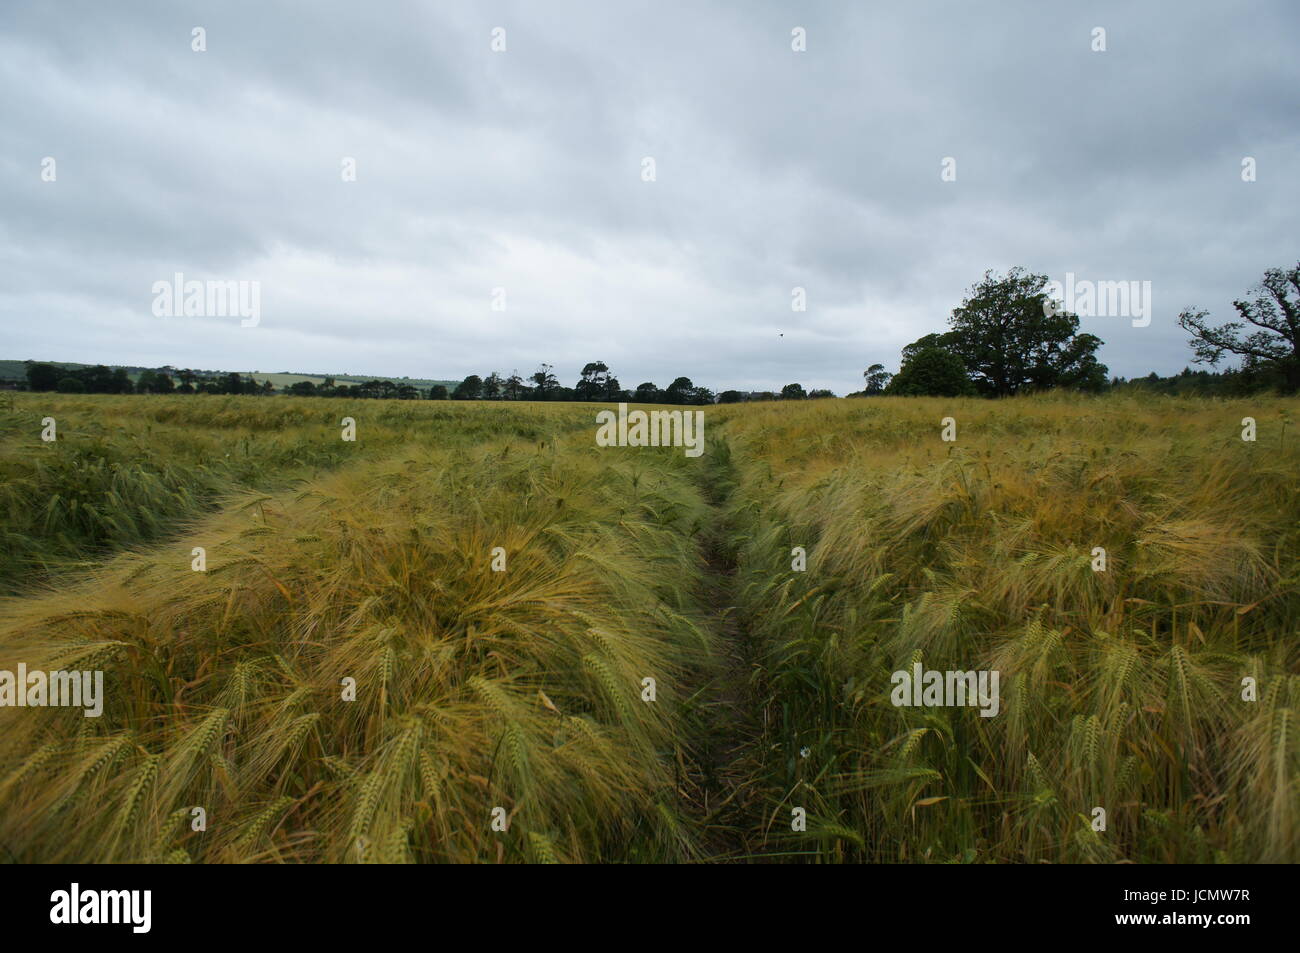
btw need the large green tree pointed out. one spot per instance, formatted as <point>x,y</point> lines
<point>930,371</point>
<point>1010,342</point>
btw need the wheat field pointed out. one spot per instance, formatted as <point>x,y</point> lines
<point>473,635</point>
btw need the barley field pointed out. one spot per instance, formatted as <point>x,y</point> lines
<point>473,635</point>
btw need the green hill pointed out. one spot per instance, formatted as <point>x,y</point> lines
<point>17,370</point>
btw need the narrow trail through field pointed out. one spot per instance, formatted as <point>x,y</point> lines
<point>723,775</point>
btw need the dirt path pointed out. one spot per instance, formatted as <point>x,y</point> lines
<point>722,774</point>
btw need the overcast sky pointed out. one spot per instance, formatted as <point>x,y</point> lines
<point>523,170</point>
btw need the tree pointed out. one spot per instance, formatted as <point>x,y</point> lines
<point>438,392</point>
<point>121,382</point>
<point>680,391</point>
<point>731,397</point>
<point>546,382</point>
<point>471,388</point>
<point>592,384</point>
<point>931,372</point>
<point>154,382</point>
<point>793,392</point>
<point>877,379</point>
<point>820,394</point>
<point>1009,342</point>
<point>43,376</point>
<point>514,387</point>
<point>1077,367</point>
<point>646,393</point>
<point>492,385</point>
<point>1274,312</point>
<point>71,385</point>
<point>944,341</point>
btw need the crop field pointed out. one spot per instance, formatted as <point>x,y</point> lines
<point>473,634</point>
<point>282,381</point>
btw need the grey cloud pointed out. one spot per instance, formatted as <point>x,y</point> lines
<point>521,170</point>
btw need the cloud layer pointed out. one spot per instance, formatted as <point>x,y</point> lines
<point>522,170</point>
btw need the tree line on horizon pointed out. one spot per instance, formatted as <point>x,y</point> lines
<point>596,383</point>
<point>1001,341</point>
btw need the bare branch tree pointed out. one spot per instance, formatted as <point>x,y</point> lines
<point>1274,311</point>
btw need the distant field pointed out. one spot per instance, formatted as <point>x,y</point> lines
<point>281,381</point>
<point>496,590</point>
<point>16,370</point>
